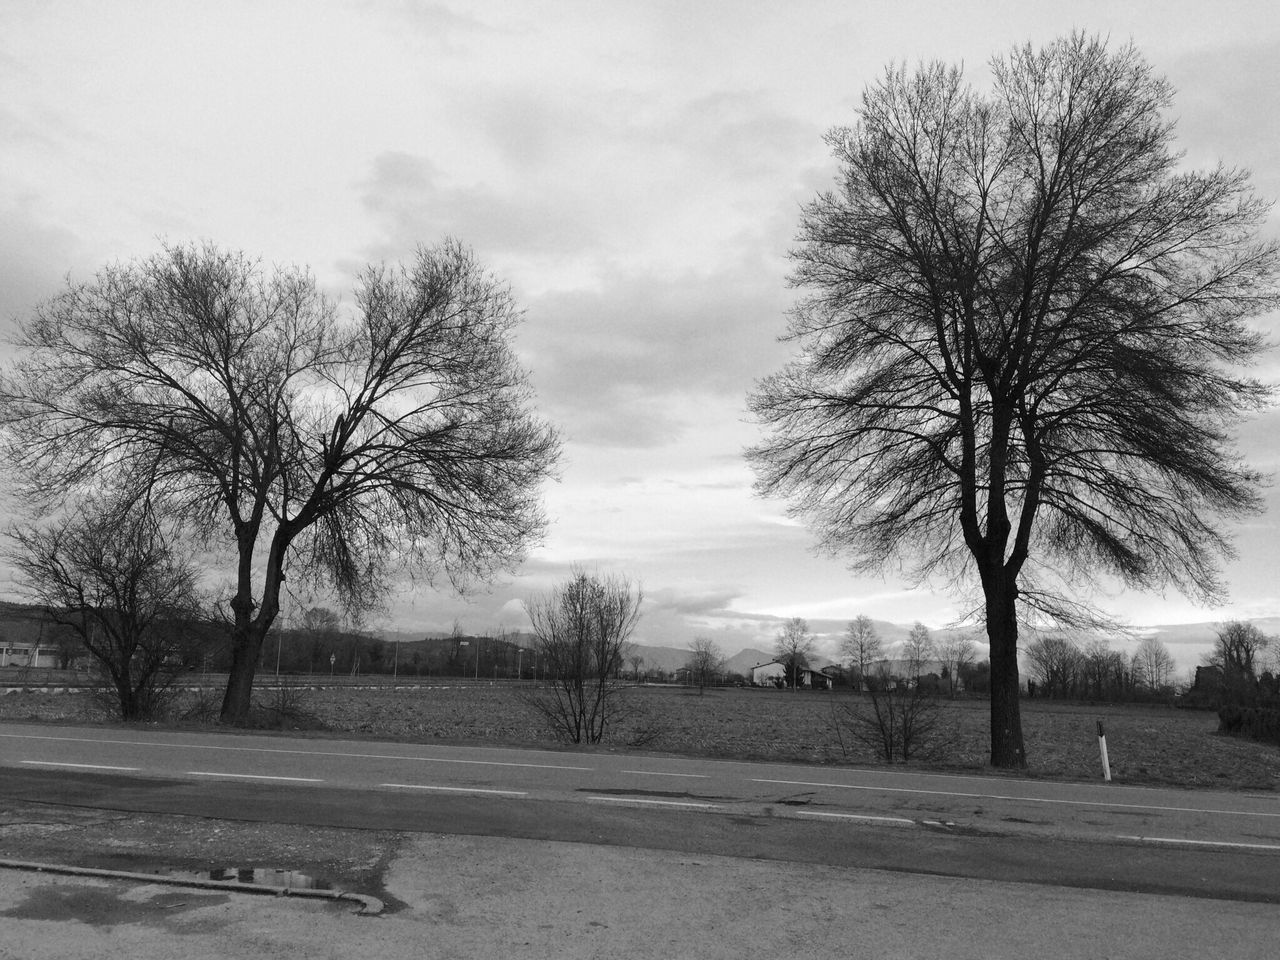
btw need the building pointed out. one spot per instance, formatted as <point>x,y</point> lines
<point>29,638</point>
<point>768,674</point>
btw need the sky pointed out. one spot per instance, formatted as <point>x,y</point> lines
<point>634,171</point>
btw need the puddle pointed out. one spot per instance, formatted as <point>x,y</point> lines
<point>263,876</point>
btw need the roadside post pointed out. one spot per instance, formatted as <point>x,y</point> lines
<point>1102,749</point>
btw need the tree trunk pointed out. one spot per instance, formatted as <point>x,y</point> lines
<point>250,630</point>
<point>1007,749</point>
<point>246,647</point>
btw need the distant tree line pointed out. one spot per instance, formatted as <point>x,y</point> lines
<point>1061,668</point>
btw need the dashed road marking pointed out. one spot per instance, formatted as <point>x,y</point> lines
<point>300,753</point>
<point>251,776</point>
<point>661,773</point>
<point>899,821</point>
<point>1111,804</point>
<point>424,786</point>
<point>1205,843</point>
<point>657,803</point>
<point>80,766</point>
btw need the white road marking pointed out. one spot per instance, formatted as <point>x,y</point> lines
<point>251,776</point>
<point>657,803</point>
<point>300,753</point>
<point>902,821</point>
<point>79,766</point>
<point>1205,843</point>
<point>423,786</point>
<point>660,773</point>
<point>995,796</point>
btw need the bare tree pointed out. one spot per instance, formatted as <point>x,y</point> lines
<point>958,652</point>
<point>1238,647</point>
<point>1055,663</point>
<point>793,647</point>
<point>341,449</point>
<point>1152,664</point>
<point>581,628</point>
<point>861,644</point>
<point>1019,344</point>
<point>919,649</point>
<point>1103,669</point>
<point>635,658</point>
<point>114,577</point>
<point>705,663</point>
<point>1237,653</point>
<point>898,721</point>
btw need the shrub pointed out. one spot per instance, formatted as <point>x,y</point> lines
<point>897,721</point>
<point>1256,723</point>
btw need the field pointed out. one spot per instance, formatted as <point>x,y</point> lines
<point>1151,745</point>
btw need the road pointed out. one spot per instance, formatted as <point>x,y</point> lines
<point>1104,836</point>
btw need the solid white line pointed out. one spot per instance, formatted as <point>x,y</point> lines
<point>251,776</point>
<point>300,753</point>
<point>856,816</point>
<point>996,796</point>
<point>421,786</point>
<point>657,803</point>
<point>78,766</point>
<point>1206,843</point>
<point>660,773</point>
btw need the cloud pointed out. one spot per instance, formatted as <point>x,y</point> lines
<point>35,257</point>
<point>1223,96</point>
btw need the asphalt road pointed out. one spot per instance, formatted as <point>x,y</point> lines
<point>1099,836</point>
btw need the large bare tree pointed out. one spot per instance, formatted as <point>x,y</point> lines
<point>1020,342</point>
<point>339,446</point>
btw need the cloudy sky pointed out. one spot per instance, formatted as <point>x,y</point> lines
<point>634,170</point>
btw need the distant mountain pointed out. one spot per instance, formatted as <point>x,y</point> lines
<point>744,661</point>
<point>661,658</point>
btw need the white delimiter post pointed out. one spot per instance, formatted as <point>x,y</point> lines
<point>1102,749</point>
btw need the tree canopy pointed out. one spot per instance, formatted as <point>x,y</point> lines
<point>1020,341</point>
<point>342,445</point>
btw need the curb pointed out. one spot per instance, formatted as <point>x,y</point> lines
<point>369,906</point>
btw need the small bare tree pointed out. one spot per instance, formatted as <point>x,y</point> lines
<point>793,647</point>
<point>1238,650</point>
<point>113,576</point>
<point>636,659</point>
<point>705,663</point>
<point>957,652</point>
<point>1152,664</point>
<point>898,720</point>
<point>581,628</point>
<point>862,646</point>
<point>1056,664</point>
<point>919,649</point>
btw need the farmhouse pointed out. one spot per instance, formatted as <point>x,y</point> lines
<point>774,673</point>
<point>767,674</point>
<point>28,638</point>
